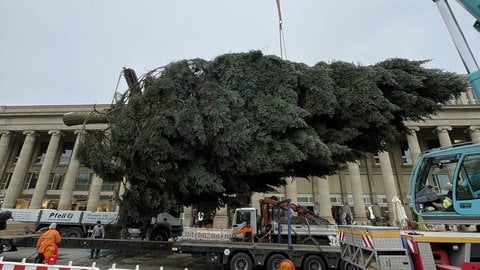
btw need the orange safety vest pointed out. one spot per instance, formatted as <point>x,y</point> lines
<point>50,237</point>
<point>246,230</point>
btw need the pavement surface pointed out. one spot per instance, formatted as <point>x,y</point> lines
<point>119,260</point>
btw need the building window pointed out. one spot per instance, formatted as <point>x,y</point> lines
<point>336,200</point>
<point>108,186</point>
<point>42,153</point>
<point>5,180</point>
<point>406,154</point>
<point>83,181</point>
<point>305,200</point>
<point>376,159</point>
<point>382,200</point>
<point>66,153</point>
<point>31,181</point>
<point>367,199</point>
<point>56,181</point>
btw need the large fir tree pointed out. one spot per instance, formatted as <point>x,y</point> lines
<point>199,129</point>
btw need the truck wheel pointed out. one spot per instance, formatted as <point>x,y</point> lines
<point>73,233</point>
<point>159,236</point>
<point>314,262</point>
<point>347,266</point>
<point>273,262</point>
<point>241,261</point>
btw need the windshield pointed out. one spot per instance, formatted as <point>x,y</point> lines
<point>468,181</point>
<point>437,174</point>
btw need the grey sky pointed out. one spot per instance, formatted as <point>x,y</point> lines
<point>72,52</point>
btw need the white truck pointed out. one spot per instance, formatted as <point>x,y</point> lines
<point>270,224</point>
<point>78,223</point>
<point>303,230</point>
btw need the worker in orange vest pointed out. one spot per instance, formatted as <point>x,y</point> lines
<point>247,232</point>
<point>46,241</point>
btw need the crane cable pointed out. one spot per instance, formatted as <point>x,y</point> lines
<point>283,49</point>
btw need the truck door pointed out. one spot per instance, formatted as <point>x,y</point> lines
<point>241,216</point>
<point>467,186</point>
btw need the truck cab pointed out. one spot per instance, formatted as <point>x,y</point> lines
<point>240,219</point>
<point>445,185</point>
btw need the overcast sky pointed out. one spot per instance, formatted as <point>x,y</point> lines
<point>72,52</point>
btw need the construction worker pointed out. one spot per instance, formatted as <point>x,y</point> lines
<point>246,231</point>
<point>98,232</point>
<point>48,239</point>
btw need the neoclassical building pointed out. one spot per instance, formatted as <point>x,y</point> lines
<point>39,169</point>
<point>38,165</point>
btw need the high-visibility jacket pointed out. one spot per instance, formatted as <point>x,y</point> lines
<point>447,202</point>
<point>247,232</point>
<point>47,238</point>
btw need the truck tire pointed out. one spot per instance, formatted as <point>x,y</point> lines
<point>241,261</point>
<point>344,265</point>
<point>314,262</point>
<point>159,236</point>
<point>73,233</point>
<point>273,263</point>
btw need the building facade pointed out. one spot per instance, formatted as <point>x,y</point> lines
<point>39,169</point>
<point>38,165</point>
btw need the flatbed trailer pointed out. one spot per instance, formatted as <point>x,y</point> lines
<point>236,255</point>
<point>248,255</point>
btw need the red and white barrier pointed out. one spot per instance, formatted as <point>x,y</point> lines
<point>367,240</point>
<point>137,267</point>
<point>23,265</point>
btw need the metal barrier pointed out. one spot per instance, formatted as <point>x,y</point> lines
<point>23,265</point>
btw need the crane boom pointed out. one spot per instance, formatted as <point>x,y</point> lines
<point>472,6</point>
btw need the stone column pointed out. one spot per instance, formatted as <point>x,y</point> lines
<point>94,193</point>
<point>443,137</point>
<point>413,144</point>
<point>322,198</point>
<point>291,190</point>
<point>5,141</point>
<point>187,217</point>
<point>70,176</point>
<point>221,218</point>
<point>388,182</point>
<point>463,99</point>
<point>357,193</point>
<point>21,168</point>
<point>46,170</point>
<point>473,131</point>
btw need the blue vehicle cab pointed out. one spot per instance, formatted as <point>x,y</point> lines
<point>451,173</point>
